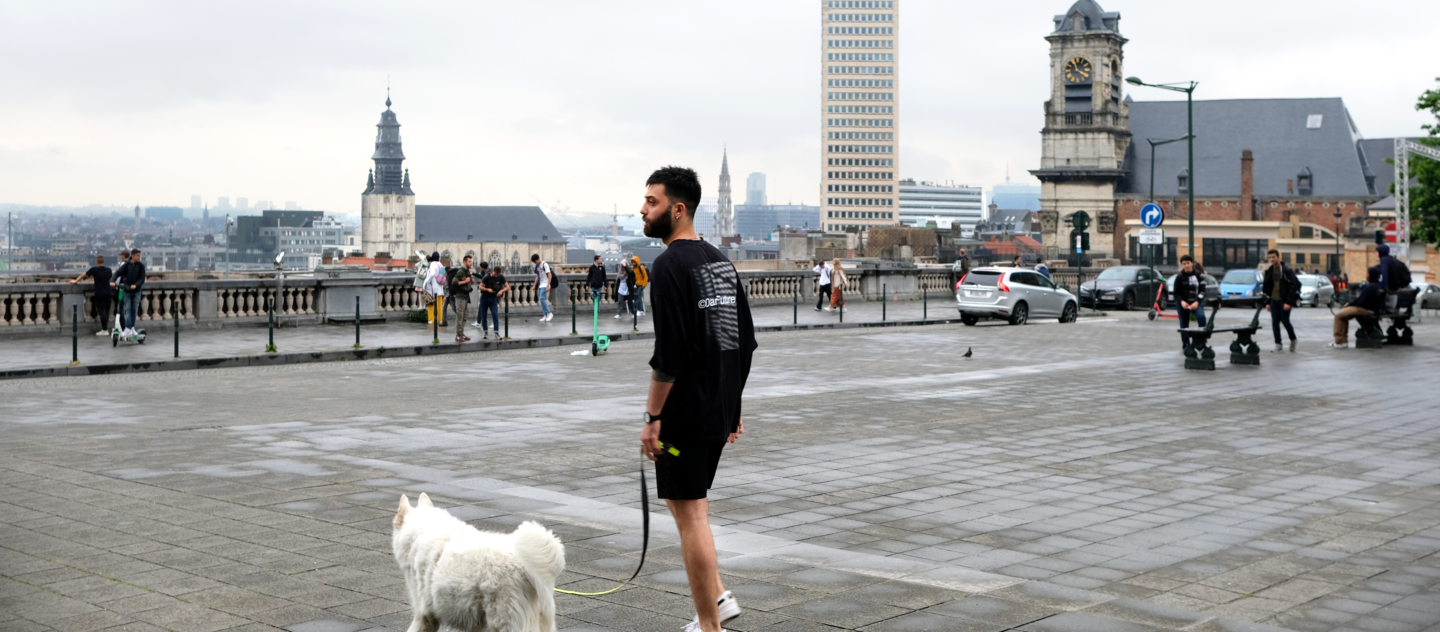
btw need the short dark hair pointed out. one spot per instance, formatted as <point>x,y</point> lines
<point>99,260</point>
<point>1184,258</point>
<point>134,251</point>
<point>1273,252</point>
<point>597,257</point>
<point>499,270</point>
<point>681,185</point>
<point>535,257</point>
<point>468,258</point>
<point>484,265</point>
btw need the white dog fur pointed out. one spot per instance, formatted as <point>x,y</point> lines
<point>472,580</point>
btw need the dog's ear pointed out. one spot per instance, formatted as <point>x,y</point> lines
<point>404,509</point>
<point>424,501</point>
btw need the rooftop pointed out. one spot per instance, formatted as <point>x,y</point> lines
<point>473,224</point>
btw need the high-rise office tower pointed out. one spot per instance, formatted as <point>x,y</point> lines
<point>223,203</point>
<point>859,113</point>
<point>195,201</point>
<point>242,204</point>
<point>755,190</point>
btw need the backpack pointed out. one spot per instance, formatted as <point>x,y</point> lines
<point>1399,275</point>
<point>642,278</point>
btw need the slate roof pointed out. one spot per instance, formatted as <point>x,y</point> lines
<point>484,223</point>
<point>1274,129</point>
<point>1096,19</point>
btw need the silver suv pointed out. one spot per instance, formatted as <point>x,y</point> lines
<point>1014,294</point>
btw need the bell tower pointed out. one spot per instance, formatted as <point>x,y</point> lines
<point>1086,133</point>
<point>387,208</point>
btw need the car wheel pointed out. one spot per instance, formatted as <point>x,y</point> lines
<point>969,320</point>
<point>1129,302</point>
<point>1068,314</point>
<point>1020,314</point>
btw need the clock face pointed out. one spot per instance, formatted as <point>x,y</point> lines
<point>1078,71</point>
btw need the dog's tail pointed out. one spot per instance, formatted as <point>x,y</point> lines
<point>540,551</point>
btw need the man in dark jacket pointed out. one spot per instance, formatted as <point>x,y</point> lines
<point>596,278</point>
<point>1283,289</point>
<point>132,281</point>
<point>1394,276</point>
<point>1189,296</point>
<point>1369,303</point>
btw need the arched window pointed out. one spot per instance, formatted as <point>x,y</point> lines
<point>494,259</point>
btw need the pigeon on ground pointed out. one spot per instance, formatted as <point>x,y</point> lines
<point>968,353</point>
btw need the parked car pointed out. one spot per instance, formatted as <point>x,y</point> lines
<point>1212,290</point>
<point>1427,295</point>
<point>1242,287</point>
<point>1012,294</point>
<point>1315,290</point>
<point>1121,286</point>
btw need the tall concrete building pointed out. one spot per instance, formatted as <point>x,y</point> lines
<point>859,109</point>
<point>387,208</point>
<point>946,205</point>
<point>195,201</point>
<point>725,212</point>
<point>755,190</point>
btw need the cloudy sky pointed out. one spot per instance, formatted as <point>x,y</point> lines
<point>149,102</point>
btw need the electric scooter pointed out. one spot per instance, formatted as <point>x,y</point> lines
<point>115,337</point>
<point>598,343</point>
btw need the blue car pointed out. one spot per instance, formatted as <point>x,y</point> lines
<point>1241,287</point>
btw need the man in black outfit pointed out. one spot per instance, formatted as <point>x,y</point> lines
<point>704,341</point>
<point>1189,296</point>
<point>596,278</point>
<point>101,298</point>
<point>1283,289</point>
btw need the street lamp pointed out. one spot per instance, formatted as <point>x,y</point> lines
<point>1189,90</point>
<point>1153,144</point>
<point>1336,268</point>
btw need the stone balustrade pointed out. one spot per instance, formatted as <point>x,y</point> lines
<point>45,308</point>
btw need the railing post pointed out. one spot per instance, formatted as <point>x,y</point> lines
<point>175,311</point>
<point>357,321</point>
<point>74,335</point>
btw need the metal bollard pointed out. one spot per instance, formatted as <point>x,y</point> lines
<point>924,303</point>
<point>573,330</point>
<point>634,320</point>
<point>795,317</point>
<point>507,317</point>
<point>882,302</point>
<point>270,307</point>
<point>175,311</point>
<point>439,311</point>
<point>74,335</point>
<point>357,321</point>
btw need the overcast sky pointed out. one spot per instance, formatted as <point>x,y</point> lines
<point>150,102</point>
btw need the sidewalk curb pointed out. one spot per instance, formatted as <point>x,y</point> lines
<point>275,359</point>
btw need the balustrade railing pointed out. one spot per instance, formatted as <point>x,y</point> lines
<point>29,308</point>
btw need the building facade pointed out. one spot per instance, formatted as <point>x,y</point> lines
<point>387,208</point>
<point>859,114</point>
<point>758,222</point>
<point>1015,196</point>
<point>755,190</point>
<point>946,205</point>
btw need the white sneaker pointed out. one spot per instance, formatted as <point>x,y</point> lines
<point>617,317</point>
<point>103,332</point>
<point>729,611</point>
<point>1278,348</point>
<point>549,317</point>
<point>827,309</point>
<point>640,313</point>
<point>1338,346</point>
<point>694,626</point>
<point>475,324</point>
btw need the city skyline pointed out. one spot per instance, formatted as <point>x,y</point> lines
<point>143,124</point>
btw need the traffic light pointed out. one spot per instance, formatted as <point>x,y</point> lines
<point>1379,237</point>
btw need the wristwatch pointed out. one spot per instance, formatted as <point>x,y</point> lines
<point>647,417</point>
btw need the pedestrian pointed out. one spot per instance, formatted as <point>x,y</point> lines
<point>1282,288</point>
<point>1043,269</point>
<point>595,278</point>
<point>1189,297</point>
<point>459,285</point>
<point>1344,280</point>
<point>435,289</point>
<point>480,273</point>
<point>132,281</point>
<point>624,280</point>
<point>838,281</point>
<point>1367,305</point>
<point>1017,262</point>
<point>642,279</point>
<point>822,269</point>
<point>704,343</point>
<point>422,272</point>
<point>449,297</point>
<point>100,298</point>
<point>542,285</point>
<point>959,269</point>
<point>492,288</point>
<point>1394,276</point>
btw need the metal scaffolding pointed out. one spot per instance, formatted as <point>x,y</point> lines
<point>1403,148</point>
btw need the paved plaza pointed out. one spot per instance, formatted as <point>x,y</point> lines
<point>1066,478</point>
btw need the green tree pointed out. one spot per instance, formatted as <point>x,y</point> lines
<point>1425,196</point>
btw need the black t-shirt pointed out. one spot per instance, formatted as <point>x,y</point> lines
<point>493,282</point>
<point>101,274</point>
<point>704,337</point>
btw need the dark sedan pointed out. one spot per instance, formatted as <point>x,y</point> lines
<point>1121,286</point>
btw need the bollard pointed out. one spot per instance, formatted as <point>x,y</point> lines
<point>439,312</point>
<point>270,307</point>
<point>841,308</point>
<point>74,335</point>
<point>795,317</point>
<point>573,330</point>
<point>924,302</point>
<point>635,320</point>
<point>357,321</point>
<point>507,317</point>
<point>882,302</point>
<point>175,310</point>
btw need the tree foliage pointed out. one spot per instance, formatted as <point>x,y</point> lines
<point>1425,196</point>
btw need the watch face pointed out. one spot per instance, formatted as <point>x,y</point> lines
<point>1078,71</point>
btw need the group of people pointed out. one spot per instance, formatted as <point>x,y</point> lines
<point>832,285</point>
<point>446,289</point>
<point>630,282</point>
<point>128,279</point>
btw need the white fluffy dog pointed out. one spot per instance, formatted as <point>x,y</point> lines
<point>473,580</point>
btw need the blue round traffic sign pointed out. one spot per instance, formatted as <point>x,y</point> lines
<point>1152,216</point>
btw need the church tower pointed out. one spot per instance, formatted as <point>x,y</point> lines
<point>725,214</point>
<point>1086,133</point>
<point>387,208</point>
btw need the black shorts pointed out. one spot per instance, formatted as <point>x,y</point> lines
<point>688,476</point>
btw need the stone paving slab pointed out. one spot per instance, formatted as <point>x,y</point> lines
<point>1067,478</point>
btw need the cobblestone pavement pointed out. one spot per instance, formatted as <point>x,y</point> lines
<point>1068,477</point>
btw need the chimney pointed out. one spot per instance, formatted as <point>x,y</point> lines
<point>1290,187</point>
<point>327,258</point>
<point>382,258</point>
<point>1247,184</point>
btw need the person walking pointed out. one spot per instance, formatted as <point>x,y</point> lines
<point>838,281</point>
<point>595,279</point>
<point>960,268</point>
<point>422,272</point>
<point>459,285</point>
<point>434,288</point>
<point>1370,302</point>
<point>100,299</point>
<point>1043,269</point>
<point>1283,289</point>
<point>449,303</point>
<point>492,288</point>
<point>1189,297</point>
<point>480,273</point>
<point>704,343</point>
<point>823,296</point>
<point>542,286</point>
<point>624,280</point>
<point>133,282</point>
<point>642,279</point>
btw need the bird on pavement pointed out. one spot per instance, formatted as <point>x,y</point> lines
<point>968,353</point>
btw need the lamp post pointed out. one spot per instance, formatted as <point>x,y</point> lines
<point>1336,270</point>
<point>1153,144</point>
<point>1189,90</point>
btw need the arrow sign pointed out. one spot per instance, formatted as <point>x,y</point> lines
<point>1152,216</point>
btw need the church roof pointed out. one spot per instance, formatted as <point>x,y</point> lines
<point>1287,136</point>
<point>1091,18</point>
<point>473,224</point>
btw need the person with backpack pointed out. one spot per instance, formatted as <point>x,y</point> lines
<point>642,279</point>
<point>459,284</point>
<point>435,289</point>
<point>1369,303</point>
<point>1394,276</point>
<point>1282,288</point>
<point>492,287</point>
<point>625,280</point>
<point>544,280</point>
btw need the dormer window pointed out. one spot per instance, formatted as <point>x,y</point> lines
<point>1183,180</point>
<point>1303,181</point>
<point>1314,120</point>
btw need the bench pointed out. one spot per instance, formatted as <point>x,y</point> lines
<point>1370,335</point>
<point>1200,356</point>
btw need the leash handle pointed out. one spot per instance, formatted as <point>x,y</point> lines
<point>644,545</point>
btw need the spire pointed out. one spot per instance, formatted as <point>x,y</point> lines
<point>388,173</point>
<point>724,213</point>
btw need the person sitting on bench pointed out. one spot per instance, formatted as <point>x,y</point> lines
<point>1368,304</point>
